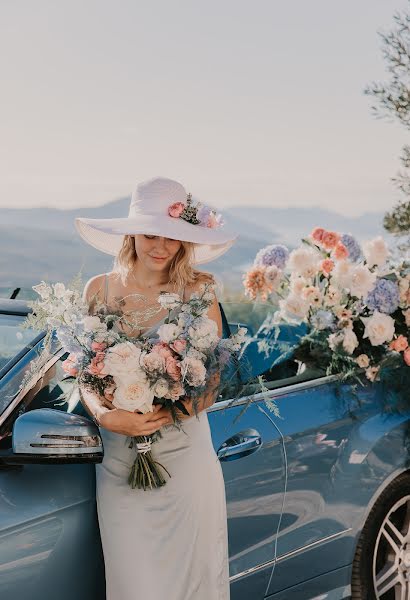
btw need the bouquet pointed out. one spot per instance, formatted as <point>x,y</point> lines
<point>136,373</point>
<point>353,299</point>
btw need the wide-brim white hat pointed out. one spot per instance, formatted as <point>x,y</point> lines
<point>149,213</point>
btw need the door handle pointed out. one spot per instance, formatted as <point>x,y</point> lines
<point>239,445</point>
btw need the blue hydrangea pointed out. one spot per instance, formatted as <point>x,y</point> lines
<point>384,297</point>
<point>322,319</point>
<point>69,344</point>
<point>352,245</point>
<point>275,254</point>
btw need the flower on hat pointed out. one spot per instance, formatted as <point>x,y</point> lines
<point>176,209</point>
<point>198,214</point>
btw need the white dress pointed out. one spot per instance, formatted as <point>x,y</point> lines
<point>168,543</point>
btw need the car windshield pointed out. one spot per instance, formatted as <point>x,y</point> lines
<point>13,337</point>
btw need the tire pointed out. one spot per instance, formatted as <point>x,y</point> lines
<point>381,566</point>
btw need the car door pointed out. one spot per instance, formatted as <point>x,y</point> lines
<point>49,537</point>
<point>250,451</point>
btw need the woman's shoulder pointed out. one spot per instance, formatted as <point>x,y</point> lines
<point>94,288</point>
<point>200,278</point>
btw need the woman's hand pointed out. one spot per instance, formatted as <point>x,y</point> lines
<point>135,423</point>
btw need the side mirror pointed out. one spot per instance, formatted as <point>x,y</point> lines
<point>46,435</point>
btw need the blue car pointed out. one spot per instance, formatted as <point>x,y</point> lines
<point>318,496</point>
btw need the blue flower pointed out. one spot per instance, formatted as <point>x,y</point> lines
<point>275,254</point>
<point>384,297</point>
<point>67,341</point>
<point>352,245</point>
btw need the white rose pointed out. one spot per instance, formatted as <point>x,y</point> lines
<point>362,281</point>
<point>168,332</point>
<point>133,395</point>
<point>293,308</point>
<point>379,328</point>
<point>169,301</point>
<point>350,341</point>
<point>92,324</point>
<point>376,252</point>
<point>273,276</point>
<point>160,388</point>
<point>304,262</point>
<point>123,361</point>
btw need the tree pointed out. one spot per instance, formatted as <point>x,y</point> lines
<point>393,100</point>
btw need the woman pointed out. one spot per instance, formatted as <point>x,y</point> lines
<point>171,541</point>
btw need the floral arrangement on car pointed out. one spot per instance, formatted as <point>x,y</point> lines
<point>354,300</point>
<point>137,373</point>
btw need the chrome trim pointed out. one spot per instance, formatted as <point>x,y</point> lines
<point>289,554</point>
<point>277,393</point>
<point>30,385</point>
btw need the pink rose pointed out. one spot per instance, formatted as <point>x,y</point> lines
<point>330,239</point>
<point>176,209</point>
<point>327,266</point>
<point>317,234</point>
<point>340,252</point>
<point>179,346</point>
<point>98,346</point>
<point>163,350</point>
<point>70,366</point>
<point>399,344</point>
<point>97,364</point>
<point>406,356</point>
<point>174,369</point>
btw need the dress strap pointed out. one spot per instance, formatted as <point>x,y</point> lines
<point>105,288</point>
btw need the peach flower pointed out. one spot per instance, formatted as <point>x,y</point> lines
<point>406,356</point>
<point>327,266</point>
<point>176,209</point>
<point>330,239</point>
<point>340,252</point>
<point>97,365</point>
<point>163,350</point>
<point>98,346</point>
<point>317,234</point>
<point>399,344</point>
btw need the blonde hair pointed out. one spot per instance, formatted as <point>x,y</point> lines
<point>181,271</point>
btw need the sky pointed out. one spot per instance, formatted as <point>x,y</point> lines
<point>256,102</point>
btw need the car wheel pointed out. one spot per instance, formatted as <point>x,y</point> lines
<point>381,566</point>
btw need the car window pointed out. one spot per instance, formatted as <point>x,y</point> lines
<point>262,356</point>
<point>13,338</point>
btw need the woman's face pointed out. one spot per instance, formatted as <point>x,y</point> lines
<point>156,252</point>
